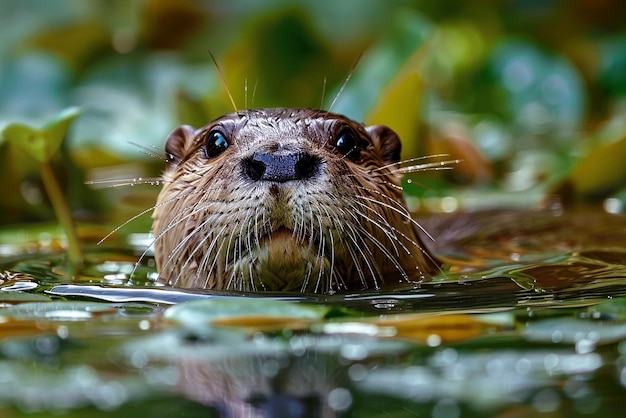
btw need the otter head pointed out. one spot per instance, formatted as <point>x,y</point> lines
<point>285,200</point>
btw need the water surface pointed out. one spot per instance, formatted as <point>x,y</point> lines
<point>527,319</point>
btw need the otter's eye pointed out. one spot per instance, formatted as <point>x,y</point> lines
<point>216,143</point>
<point>348,145</point>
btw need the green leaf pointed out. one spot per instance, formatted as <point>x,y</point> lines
<point>614,307</point>
<point>22,297</point>
<point>56,130</point>
<point>209,310</point>
<point>29,140</point>
<point>41,144</point>
<point>59,310</point>
<point>570,331</point>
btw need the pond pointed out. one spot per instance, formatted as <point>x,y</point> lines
<point>527,319</point>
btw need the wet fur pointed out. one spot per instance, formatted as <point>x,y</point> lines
<point>345,228</point>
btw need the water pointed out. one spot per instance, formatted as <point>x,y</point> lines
<point>528,319</point>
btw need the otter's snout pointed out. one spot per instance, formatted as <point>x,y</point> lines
<point>280,166</point>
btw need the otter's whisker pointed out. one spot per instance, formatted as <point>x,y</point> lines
<point>310,244</point>
<point>126,182</point>
<point>189,260</point>
<point>345,82</point>
<point>436,166</point>
<point>202,267</point>
<point>256,83</point>
<point>433,166</point>
<point>408,239</point>
<point>357,264</point>
<point>321,246</point>
<point>239,237</point>
<point>335,226</point>
<point>224,83</point>
<point>191,211</point>
<point>393,201</point>
<point>380,245</point>
<point>215,255</point>
<point>388,231</point>
<point>409,160</point>
<point>138,215</point>
<point>332,257</point>
<point>360,246</point>
<point>257,241</point>
<point>152,152</point>
<point>181,246</point>
<point>404,214</point>
<point>400,210</point>
<point>301,225</point>
<point>323,93</point>
<point>145,252</point>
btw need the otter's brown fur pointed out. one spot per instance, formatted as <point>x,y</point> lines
<point>285,200</point>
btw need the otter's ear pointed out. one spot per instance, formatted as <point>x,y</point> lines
<point>386,142</point>
<point>177,145</point>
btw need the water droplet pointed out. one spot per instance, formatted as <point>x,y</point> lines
<point>47,345</point>
<point>384,303</point>
<point>546,400</point>
<point>110,395</point>
<point>495,368</point>
<point>445,357</point>
<point>63,332</point>
<point>433,340</point>
<point>557,336</point>
<point>622,376</point>
<point>550,362</point>
<point>67,315</point>
<point>339,399</point>
<point>518,75</point>
<point>613,205</point>
<point>357,372</point>
<point>354,351</point>
<point>270,367</point>
<point>139,359</point>
<point>446,408</point>
<point>523,366</point>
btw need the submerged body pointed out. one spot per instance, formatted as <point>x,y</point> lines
<point>285,200</point>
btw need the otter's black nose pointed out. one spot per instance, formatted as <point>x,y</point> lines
<point>280,167</point>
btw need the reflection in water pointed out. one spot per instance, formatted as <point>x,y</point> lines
<point>269,386</point>
<point>262,376</point>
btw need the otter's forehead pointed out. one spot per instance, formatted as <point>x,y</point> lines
<point>284,124</point>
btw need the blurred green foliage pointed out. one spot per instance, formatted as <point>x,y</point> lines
<point>530,94</point>
<point>42,144</point>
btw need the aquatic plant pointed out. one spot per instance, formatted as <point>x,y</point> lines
<point>42,144</point>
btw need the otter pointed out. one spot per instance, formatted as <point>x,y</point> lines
<point>297,200</point>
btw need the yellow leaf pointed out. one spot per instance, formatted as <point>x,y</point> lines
<point>13,328</point>
<point>446,328</point>
<point>400,103</point>
<point>602,168</point>
<point>263,323</point>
